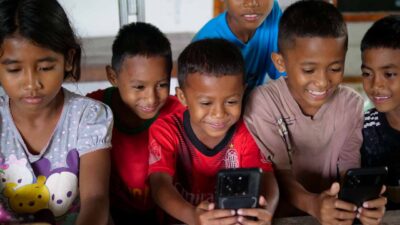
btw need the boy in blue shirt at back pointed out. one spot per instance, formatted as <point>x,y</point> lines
<point>253,27</point>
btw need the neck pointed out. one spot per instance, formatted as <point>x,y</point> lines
<point>393,118</point>
<point>243,35</point>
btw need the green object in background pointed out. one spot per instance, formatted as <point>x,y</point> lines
<point>368,104</point>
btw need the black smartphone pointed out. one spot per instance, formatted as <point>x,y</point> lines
<point>362,184</point>
<point>238,188</point>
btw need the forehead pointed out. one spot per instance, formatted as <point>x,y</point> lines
<point>317,47</point>
<point>381,57</point>
<point>19,48</point>
<point>211,84</point>
<point>144,67</point>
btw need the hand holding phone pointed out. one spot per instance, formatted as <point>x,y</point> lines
<point>362,184</point>
<point>238,188</point>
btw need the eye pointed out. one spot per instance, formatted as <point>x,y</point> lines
<point>19,181</point>
<point>3,180</point>
<point>336,70</point>
<point>46,68</point>
<point>138,87</point>
<point>205,103</point>
<point>13,70</point>
<point>163,85</point>
<point>308,71</point>
<point>39,196</point>
<point>390,75</point>
<point>232,102</point>
<point>69,193</point>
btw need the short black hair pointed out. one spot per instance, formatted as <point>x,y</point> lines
<point>45,23</point>
<point>140,39</point>
<point>210,57</point>
<point>310,18</point>
<point>384,33</point>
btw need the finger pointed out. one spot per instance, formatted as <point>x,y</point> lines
<point>333,190</point>
<point>344,215</point>
<point>376,214</point>
<point>369,221</point>
<point>262,201</point>
<point>223,220</point>
<point>376,203</point>
<point>346,206</point>
<point>205,205</point>
<point>383,189</point>
<point>248,221</point>
<point>259,213</point>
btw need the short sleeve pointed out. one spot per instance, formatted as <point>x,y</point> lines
<point>95,128</point>
<point>162,147</point>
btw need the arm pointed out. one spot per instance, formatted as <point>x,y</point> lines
<point>325,206</point>
<point>168,198</point>
<point>93,187</point>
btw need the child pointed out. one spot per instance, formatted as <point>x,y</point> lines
<point>54,144</point>
<point>140,75</point>
<point>253,27</point>
<point>307,124</point>
<point>380,49</point>
<point>189,147</point>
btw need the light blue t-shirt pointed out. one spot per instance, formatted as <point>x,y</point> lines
<point>47,183</point>
<point>257,51</point>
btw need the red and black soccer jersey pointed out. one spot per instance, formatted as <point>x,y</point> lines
<point>129,189</point>
<point>175,149</point>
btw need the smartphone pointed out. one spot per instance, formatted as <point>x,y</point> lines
<point>362,184</point>
<point>238,188</point>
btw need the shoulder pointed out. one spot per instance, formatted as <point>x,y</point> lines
<point>268,95</point>
<point>274,15</point>
<point>169,121</point>
<point>349,97</point>
<point>91,107</point>
<point>3,101</point>
<point>98,95</point>
<point>171,105</point>
<point>212,29</point>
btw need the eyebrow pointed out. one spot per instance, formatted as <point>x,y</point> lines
<point>389,66</point>
<point>8,61</point>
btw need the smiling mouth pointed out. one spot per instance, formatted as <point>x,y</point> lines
<point>379,99</point>
<point>218,126</point>
<point>251,17</point>
<point>148,109</point>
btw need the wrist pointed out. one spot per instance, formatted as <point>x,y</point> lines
<point>312,205</point>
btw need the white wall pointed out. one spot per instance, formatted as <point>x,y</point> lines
<point>100,18</point>
<point>93,18</point>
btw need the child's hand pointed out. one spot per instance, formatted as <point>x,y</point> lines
<point>263,216</point>
<point>207,214</point>
<point>331,210</point>
<point>372,211</point>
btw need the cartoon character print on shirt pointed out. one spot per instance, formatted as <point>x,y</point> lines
<point>29,198</point>
<point>231,158</point>
<point>15,171</point>
<point>62,182</point>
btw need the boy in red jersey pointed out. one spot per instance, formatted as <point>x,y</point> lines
<point>140,75</point>
<point>188,148</point>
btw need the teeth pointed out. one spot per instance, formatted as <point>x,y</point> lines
<point>381,97</point>
<point>318,93</point>
<point>251,16</point>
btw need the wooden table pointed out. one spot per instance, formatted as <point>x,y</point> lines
<point>390,218</point>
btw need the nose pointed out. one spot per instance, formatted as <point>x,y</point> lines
<point>32,81</point>
<point>218,111</point>
<point>251,3</point>
<point>322,80</point>
<point>377,82</point>
<point>151,96</point>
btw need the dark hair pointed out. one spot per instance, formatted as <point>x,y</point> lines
<point>43,22</point>
<point>141,39</point>
<point>384,33</point>
<point>310,18</point>
<point>210,57</point>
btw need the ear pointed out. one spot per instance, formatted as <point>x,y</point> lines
<point>180,95</point>
<point>69,61</point>
<point>278,61</point>
<point>111,76</point>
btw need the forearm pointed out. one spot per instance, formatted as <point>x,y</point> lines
<point>295,193</point>
<point>94,210</point>
<point>271,191</point>
<point>170,200</point>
